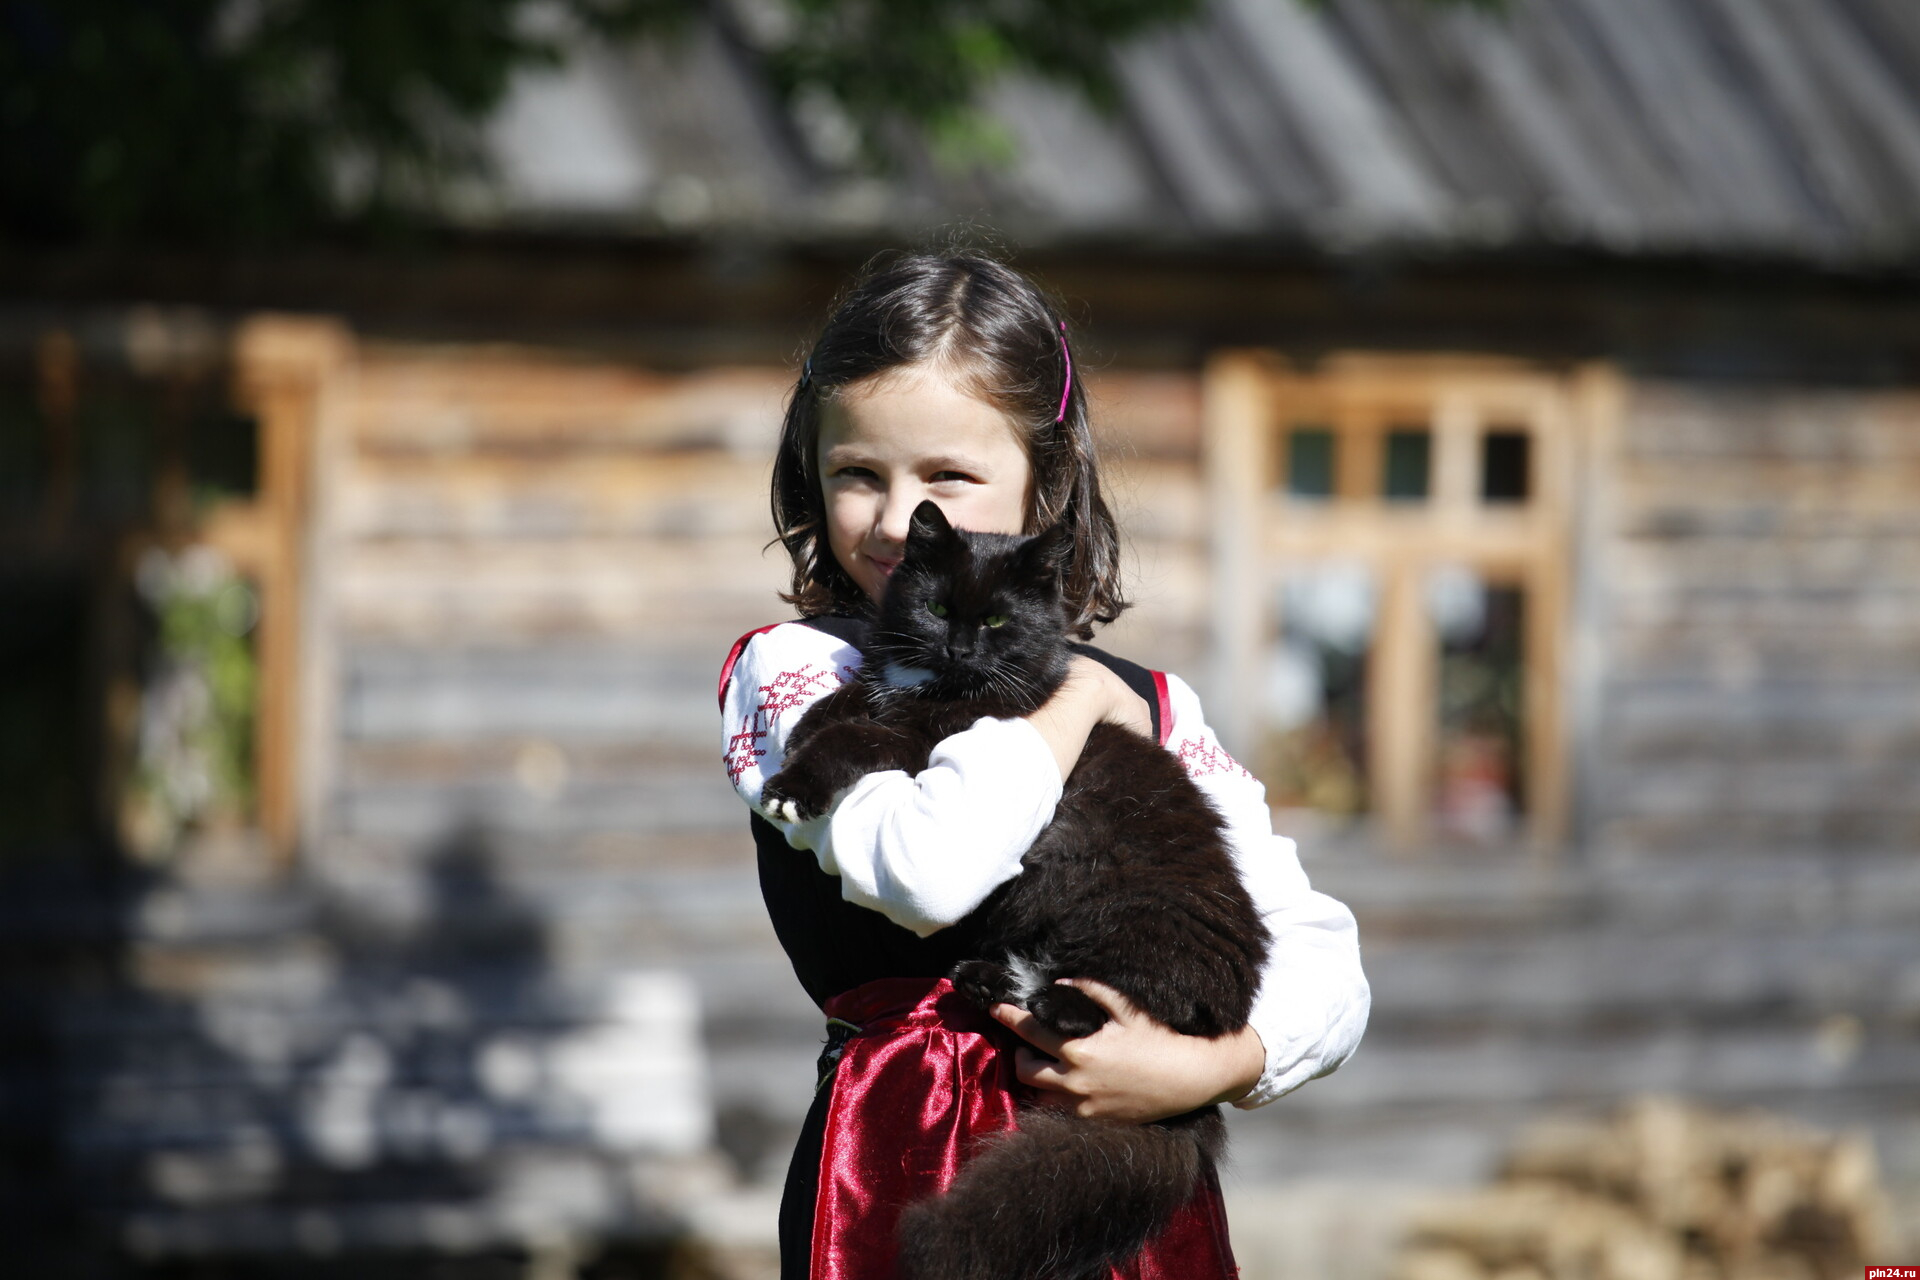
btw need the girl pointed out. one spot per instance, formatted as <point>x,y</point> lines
<point>951,378</point>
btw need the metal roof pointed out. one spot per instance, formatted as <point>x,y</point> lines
<point>1725,128</point>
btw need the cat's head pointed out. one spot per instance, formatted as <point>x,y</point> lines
<point>970,615</point>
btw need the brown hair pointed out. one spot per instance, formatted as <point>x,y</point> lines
<point>1001,338</point>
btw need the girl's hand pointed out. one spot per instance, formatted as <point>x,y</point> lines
<point>1089,695</point>
<point>1105,696</point>
<point>1134,1069</point>
<point>1122,706</point>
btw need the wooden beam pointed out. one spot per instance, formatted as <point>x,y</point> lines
<point>1542,651</point>
<point>1357,456</point>
<point>1402,692</point>
<point>284,370</point>
<point>1508,539</point>
<point>1592,457</point>
<point>1456,456</point>
<point>1238,426</point>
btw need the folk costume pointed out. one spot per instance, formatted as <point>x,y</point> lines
<point>867,901</point>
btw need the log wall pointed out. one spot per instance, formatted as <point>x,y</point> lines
<point>1759,613</point>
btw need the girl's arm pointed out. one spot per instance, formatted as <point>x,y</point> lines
<point>925,849</point>
<point>1092,693</point>
<point>1313,1001</point>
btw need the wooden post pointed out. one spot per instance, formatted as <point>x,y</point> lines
<point>286,371</point>
<point>1587,466</point>
<point>1238,426</point>
<point>1401,704</point>
<point>1456,460</point>
<point>1541,650</point>
<point>1359,456</point>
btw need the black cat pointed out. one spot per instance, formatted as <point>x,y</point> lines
<point>1131,884</point>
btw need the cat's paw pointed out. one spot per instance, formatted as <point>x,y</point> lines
<point>986,983</point>
<point>786,799</point>
<point>1067,1011</point>
<point>785,811</point>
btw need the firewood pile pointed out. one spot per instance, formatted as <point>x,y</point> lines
<point>1662,1191</point>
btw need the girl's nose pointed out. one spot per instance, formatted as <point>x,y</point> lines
<point>896,516</point>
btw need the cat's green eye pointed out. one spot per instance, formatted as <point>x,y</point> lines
<point>997,620</point>
<point>937,610</point>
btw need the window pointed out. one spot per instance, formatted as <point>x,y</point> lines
<point>1393,595</point>
<point>145,538</point>
<point>1505,465</point>
<point>1310,462</point>
<point>1409,458</point>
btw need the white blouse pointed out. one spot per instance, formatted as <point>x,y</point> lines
<point>926,849</point>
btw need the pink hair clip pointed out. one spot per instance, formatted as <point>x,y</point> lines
<point>1066,390</point>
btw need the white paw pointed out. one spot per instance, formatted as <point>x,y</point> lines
<point>1029,976</point>
<point>784,811</point>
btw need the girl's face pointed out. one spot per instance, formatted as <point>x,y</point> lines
<point>890,443</point>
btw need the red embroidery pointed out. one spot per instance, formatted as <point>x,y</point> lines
<point>741,751</point>
<point>789,689</point>
<point>1202,759</point>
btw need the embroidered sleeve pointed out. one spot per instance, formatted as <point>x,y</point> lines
<point>1314,999</point>
<point>924,849</point>
<point>773,680</point>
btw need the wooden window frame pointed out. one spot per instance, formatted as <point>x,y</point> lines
<point>1252,398</point>
<point>288,374</point>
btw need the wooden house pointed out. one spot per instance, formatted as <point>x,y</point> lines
<point>1516,421</point>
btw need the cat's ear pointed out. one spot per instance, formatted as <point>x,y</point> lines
<point>929,525</point>
<point>1047,554</point>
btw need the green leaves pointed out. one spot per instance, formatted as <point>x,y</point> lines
<point>214,121</point>
<point>194,760</point>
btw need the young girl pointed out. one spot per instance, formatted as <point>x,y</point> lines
<point>951,378</point>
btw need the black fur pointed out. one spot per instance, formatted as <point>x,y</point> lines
<point>1131,884</point>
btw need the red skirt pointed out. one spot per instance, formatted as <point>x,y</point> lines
<point>926,1075</point>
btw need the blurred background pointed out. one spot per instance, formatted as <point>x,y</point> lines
<point>1514,410</point>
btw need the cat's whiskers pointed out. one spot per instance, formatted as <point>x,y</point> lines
<point>1017,685</point>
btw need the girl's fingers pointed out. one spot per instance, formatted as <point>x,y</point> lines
<point>1028,1028</point>
<point>1127,708</point>
<point>1046,1075</point>
<point>1041,1068</point>
<point>1116,702</point>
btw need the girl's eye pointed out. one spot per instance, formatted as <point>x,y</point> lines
<point>951,475</point>
<point>937,610</point>
<point>997,620</point>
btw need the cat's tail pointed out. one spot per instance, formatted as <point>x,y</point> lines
<point>1060,1198</point>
